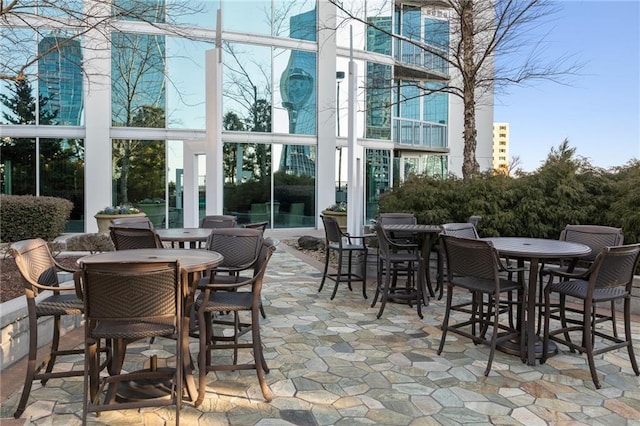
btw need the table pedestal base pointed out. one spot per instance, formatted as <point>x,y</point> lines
<point>512,347</point>
<point>139,390</point>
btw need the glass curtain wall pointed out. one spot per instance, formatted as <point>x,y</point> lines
<point>41,166</point>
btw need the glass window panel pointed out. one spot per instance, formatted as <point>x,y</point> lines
<point>250,16</point>
<point>342,173</point>
<point>186,89</point>
<point>436,105</point>
<point>140,10</point>
<point>18,166</point>
<point>62,175</point>
<point>17,48</point>
<point>348,27</point>
<point>378,101</point>
<point>137,80</point>
<point>61,9</point>
<point>247,182</point>
<point>294,186</point>
<point>379,15</point>
<point>139,176</point>
<point>295,19</point>
<point>378,178</point>
<point>195,13</point>
<point>295,94</point>
<point>175,178</point>
<point>18,102</point>
<point>246,93</point>
<point>60,79</point>
<point>409,101</point>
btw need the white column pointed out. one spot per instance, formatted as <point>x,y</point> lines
<point>326,151</point>
<point>355,210</point>
<point>97,118</point>
<point>214,176</point>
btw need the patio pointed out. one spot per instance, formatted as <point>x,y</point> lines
<point>334,363</point>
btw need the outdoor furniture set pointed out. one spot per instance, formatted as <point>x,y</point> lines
<point>588,263</point>
<point>145,291</point>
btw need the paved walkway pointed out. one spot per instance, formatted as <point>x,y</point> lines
<point>334,363</point>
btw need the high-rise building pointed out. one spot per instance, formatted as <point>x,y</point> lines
<point>60,79</point>
<point>501,147</point>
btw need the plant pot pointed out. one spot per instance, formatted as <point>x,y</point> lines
<point>155,212</point>
<point>104,220</point>
<point>341,218</point>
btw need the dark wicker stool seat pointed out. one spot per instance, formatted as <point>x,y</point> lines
<point>39,273</point>
<point>243,296</point>
<point>343,244</point>
<point>609,279</point>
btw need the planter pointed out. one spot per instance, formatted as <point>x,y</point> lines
<point>104,220</point>
<point>155,212</point>
<point>341,218</point>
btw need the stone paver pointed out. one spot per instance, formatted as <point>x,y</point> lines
<point>334,363</point>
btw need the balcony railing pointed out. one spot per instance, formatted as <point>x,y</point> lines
<point>419,133</point>
<point>411,54</point>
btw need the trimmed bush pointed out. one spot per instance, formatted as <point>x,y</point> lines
<point>26,216</point>
<point>565,190</point>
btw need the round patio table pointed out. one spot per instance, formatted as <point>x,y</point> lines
<point>193,236</point>
<point>534,249</point>
<point>192,263</point>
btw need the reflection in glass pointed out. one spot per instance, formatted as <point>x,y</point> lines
<point>298,91</point>
<point>377,175</point>
<point>140,10</point>
<point>247,182</point>
<point>19,103</point>
<point>137,80</point>
<point>378,101</point>
<point>248,16</point>
<point>247,88</point>
<point>139,176</point>
<point>186,93</point>
<point>175,178</point>
<point>295,19</point>
<point>62,175</point>
<point>18,166</point>
<point>60,79</point>
<point>294,186</point>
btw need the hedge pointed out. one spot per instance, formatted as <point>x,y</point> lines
<point>25,216</point>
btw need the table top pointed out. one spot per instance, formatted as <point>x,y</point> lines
<point>184,234</point>
<point>412,227</point>
<point>538,247</point>
<point>194,260</point>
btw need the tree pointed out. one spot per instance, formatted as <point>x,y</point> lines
<point>482,30</point>
<point>22,104</point>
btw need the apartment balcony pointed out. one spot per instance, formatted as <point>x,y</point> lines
<point>419,134</point>
<point>418,62</point>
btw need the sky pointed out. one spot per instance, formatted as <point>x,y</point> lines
<point>598,111</point>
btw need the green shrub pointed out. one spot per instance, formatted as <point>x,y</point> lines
<point>26,216</point>
<point>566,189</point>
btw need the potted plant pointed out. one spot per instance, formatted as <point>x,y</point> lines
<point>104,216</point>
<point>339,212</point>
<point>155,210</point>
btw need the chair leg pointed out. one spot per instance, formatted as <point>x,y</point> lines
<point>31,366</point>
<point>203,355</point>
<point>55,344</point>
<point>258,356</point>
<point>445,321</point>
<point>326,268</point>
<point>588,342</point>
<point>364,275</point>
<point>338,277</point>
<point>627,335</point>
<point>494,336</point>
<point>385,292</point>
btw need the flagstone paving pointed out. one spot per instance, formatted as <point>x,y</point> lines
<point>334,363</point>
